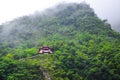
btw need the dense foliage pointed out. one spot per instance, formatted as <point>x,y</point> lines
<point>85,47</point>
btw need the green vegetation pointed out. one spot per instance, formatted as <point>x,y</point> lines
<point>85,47</point>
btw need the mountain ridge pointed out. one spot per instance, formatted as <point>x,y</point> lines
<point>84,46</point>
<point>75,14</point>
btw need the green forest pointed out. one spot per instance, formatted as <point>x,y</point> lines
<point>84,46</point>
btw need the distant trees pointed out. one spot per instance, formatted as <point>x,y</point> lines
<point>84,47</point>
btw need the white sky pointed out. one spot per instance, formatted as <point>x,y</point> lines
<point>10,9</point>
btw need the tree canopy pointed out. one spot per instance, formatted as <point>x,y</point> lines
<point>84,46</point>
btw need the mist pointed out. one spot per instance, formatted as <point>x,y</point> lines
<point>107,9</point>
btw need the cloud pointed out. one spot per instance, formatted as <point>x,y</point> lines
<point>10,9</point>
<point>105,9</point>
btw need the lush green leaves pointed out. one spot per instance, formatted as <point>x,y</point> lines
<point>84,47</point>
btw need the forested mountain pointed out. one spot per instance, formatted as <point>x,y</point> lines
<point>84,46</point>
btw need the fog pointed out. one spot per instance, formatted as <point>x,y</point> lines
<point>105,9</point>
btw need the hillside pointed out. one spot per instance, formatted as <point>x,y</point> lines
<point>85,47</point>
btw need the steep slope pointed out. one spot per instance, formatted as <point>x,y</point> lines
<point>79,17</point>
<point>85,47</point>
